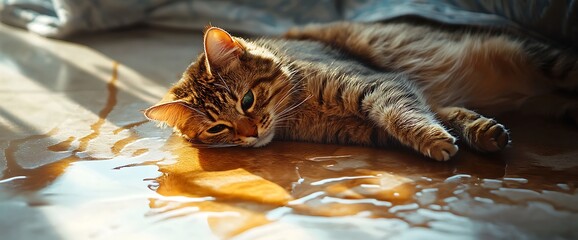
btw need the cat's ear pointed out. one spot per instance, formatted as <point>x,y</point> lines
<point>174,113</point>
<point>220,48</point>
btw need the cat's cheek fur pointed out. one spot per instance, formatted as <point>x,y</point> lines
<point>262,141</point>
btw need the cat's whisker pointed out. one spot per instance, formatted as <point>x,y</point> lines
<point>295,106</point>
<point>223,145</point>
<point>286,117</point>
<point>198,113</point>
<point>300,103</point>
<point>291,92</point>
<point>285,113</point>
<point>284,126</point>
<point>220,86</point>
<point>285,122</point>
<point>223,80</point>
<point>294,89</point>
<point>195,110</point>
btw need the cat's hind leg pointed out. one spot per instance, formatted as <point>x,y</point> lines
<point>480,133</point>
<point>559,105</point>
<point>559,65</point>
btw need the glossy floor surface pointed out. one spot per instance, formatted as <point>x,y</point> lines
<point>79,161</point>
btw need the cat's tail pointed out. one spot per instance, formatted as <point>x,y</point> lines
<point>560,65</point>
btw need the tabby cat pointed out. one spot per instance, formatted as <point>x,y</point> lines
<point>366,84</point>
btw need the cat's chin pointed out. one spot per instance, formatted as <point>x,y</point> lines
<point>262,141</point>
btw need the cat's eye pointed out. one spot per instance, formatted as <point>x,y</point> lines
<point>247,100</point>
<point>217,129</point>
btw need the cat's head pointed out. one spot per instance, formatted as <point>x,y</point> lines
<point>233,94</point>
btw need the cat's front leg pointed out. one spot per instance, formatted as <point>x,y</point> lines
<point>400,111</point>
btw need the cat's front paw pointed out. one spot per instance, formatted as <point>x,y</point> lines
<point>489,135</point>
<point>441,149</point>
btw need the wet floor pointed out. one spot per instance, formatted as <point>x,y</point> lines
<point>79,161</point>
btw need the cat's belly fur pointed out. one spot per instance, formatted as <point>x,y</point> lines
<point>487,91</point>
<point>490,76</point>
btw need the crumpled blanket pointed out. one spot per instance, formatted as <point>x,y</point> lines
<point>555,19</point>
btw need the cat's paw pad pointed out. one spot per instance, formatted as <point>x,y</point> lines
<point>442,149</point>
<point>490,136</point>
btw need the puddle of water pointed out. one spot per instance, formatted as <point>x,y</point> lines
<point>62,146</point>
<point>154,187</point>
<point>391,185</point>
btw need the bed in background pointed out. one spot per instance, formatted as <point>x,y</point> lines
<point>554,20</point>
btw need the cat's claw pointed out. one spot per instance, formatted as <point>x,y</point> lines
<point>446,155</point>
<point>493,139</point>
<point>442,150</point>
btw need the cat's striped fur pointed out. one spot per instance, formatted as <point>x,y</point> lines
<point>368,84</point>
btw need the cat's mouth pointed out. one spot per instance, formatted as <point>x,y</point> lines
<point>263,140</point>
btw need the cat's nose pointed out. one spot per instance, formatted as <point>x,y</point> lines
<point>247,128</point>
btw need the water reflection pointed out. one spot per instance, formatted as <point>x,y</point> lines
<point>260,189</point>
